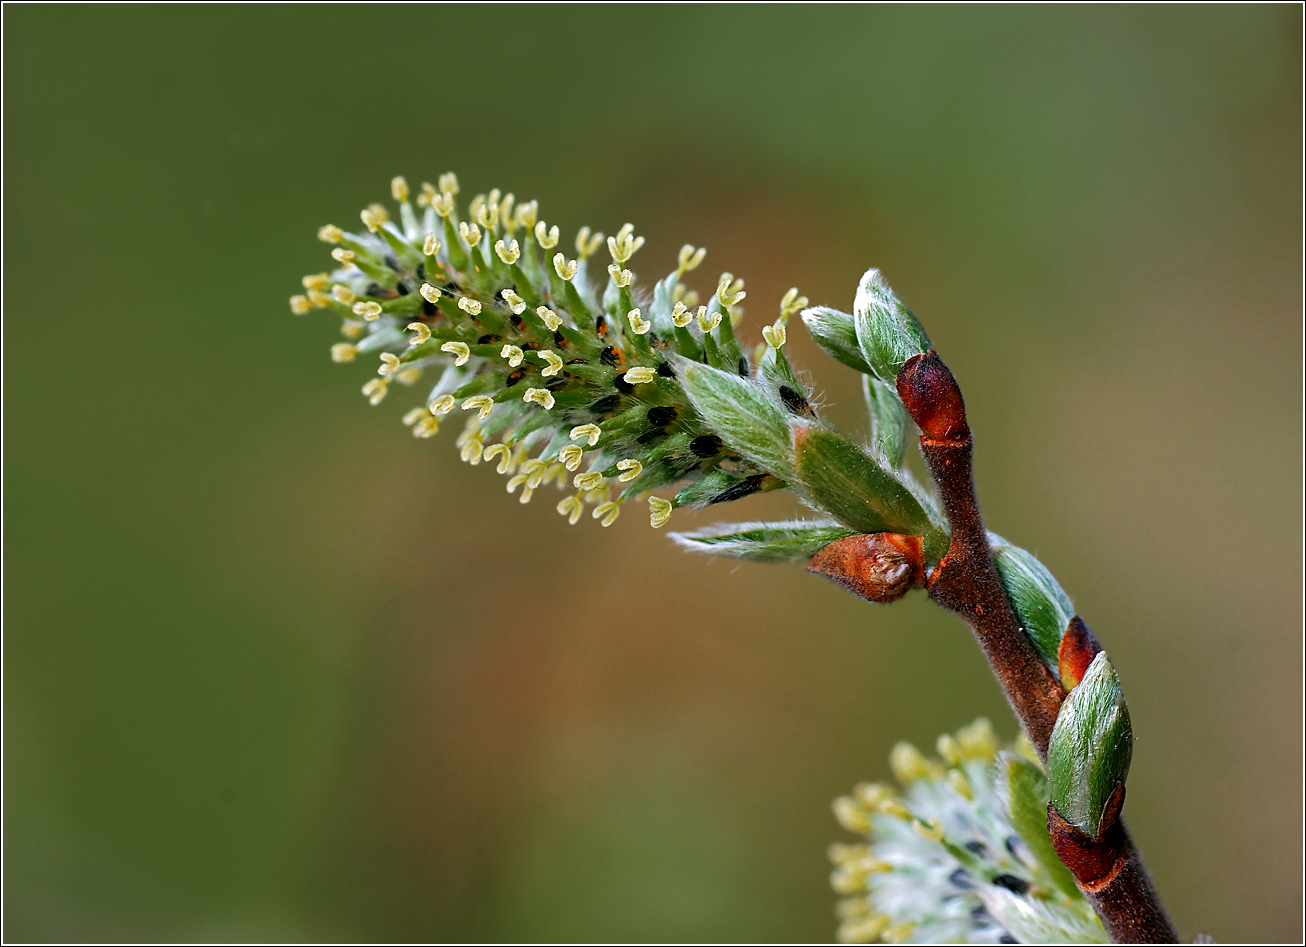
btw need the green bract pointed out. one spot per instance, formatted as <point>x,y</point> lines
<point>1091,747</point>
<point>887,332</point>
<point>1043,608</point>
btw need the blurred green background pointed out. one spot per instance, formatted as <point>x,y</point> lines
<point>275,669</point>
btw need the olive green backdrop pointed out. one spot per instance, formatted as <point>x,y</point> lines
<point>275,669</point>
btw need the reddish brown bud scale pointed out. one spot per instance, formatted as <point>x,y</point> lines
<point>1093,862</point>
<point>1078,649</point>
<point>879,567</point>
<point>933,398</point>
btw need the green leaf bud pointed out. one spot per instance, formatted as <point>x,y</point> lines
<point>1042,606</point>
<point>1090,749</point>
<point>836,332</point>
<point>792,541</point>
<point>887,332</point>
<point>852,487</point>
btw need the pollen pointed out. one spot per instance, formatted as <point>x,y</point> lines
<point>555,363</point>
<point>640,375</point>
<point>565,268</point>
<point>690,258</point>
<point>707,321</point>
<point>420,333</point>
<point>341,255</point>
<point>343,294</point>
<point>389,364</point>
<point>459,350</point>
<point>449,183</point>
<point>540,396</point>
<point>571,507</point>
<point>619,276</point>
<point>551,318</point>
<point>512,353</point>
<point>426,427</point>
<point>570,456</point>
<point>587,244</point>
<point>659,511</point>
<point>443,404</point>
<point>470,233</point>
<point>632,468</point>
<point>367,309</point>
<point>317,281</point>
<point>399,189</point>
<point>431,245</point>
<point>638,324</point>
<point>591,480</point>
<point>343,352</point>
<point>430,293</point>
<point>487,215</point>
<point>379,212</point>
<point>372,221</point>
<point>507,252</point>
<point>300,305</point>
<point>606,513</point>
<point>681,316</point>
<point>591,433</point>
<point>376,389</point>
<point>483,404</point>
<point>470,306</point>
<point>546,237</point>
<point>775,335</point>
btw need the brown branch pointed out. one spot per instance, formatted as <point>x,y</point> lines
<point>966,582</point>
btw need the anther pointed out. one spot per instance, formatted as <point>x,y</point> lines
<point>449,183</point>
<point>512,353</point>
<point>331,234</point>
<point>343,294</point>
<point>499,450</point>
<point>638,324</point>
<point>389,364</point>
<point>317,281</point>
<point>484,404</point>
<point>775,335</point>
<point>591,432</point>
<point>555,363</point>
<point>587,244</point>
<point>343,352</point>
<point>640,375</point>
<point>791,303</point>
<point>426,427</point>
<point>571,507</point>
<point>515,302</point>
<point>318,298</point>
<point>470,233</point>
<point>430,293</point>
<point>351,328</point>
<point>690,258</point>
<point>341,255</point>
<point>571,455</point>
<point>459,349</point>
<point>470,306</point>
<point>399,189</point>
<point>526,214</point>
<point>590,480</point>
<point>420,333</point>
<point>372,221</point>
<point>507,252</point>
<point>632,468</point>
<point>623,245</point>
<point>540,396</point>
<point>565,268</point>
<point>730,290</point>
<point>367,309</point>
<point>546,237</point>
<point>442,405</point>
<point>431,245</point>
<point>659,511</point>
<point>607,511</point>
<point>681,316</point>
<point>619,276</point>
<point>412,416</point>
<point>376,389</point>
<point>708,321</point>
<point>442,204</point>
<point>300,305</point>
